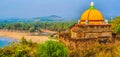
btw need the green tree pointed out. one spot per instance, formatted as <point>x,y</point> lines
<point>52,49</point>
<point>115,24</point>
<point>118,29</point>
<point>32,29</point>
<point>24,41</point>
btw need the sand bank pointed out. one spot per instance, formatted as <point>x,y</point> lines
<point>18,35</point>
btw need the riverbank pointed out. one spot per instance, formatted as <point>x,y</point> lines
<point>18,35</point>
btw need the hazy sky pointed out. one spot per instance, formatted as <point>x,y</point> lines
<point>63,8</point>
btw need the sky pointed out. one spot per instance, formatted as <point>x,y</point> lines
<point>70,9</point>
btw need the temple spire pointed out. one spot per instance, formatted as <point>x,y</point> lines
<point>92,4</point>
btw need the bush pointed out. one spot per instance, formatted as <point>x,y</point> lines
<point>24,41</point>
<point>52,49</point>
<point>19,49</point>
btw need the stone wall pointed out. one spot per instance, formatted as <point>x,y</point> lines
<point>76,43</point>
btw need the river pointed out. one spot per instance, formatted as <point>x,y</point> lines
<point>5,41</point>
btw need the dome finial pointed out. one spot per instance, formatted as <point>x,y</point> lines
<point>92,4</point>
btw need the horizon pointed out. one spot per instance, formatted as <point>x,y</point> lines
<point>63,8</point>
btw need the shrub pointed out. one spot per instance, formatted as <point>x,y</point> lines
<point>24,41</point>
<point>52,49</point>
<point>19,49</point>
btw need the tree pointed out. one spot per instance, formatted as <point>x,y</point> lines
<point>52,49</point>
<point>24,41</point>
<point>115,24</point>
<point>32,29</point>
<point>118,29</point>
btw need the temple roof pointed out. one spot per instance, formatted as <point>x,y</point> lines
<point>93,15</point>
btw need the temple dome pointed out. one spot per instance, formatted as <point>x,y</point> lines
<point>92,15</point>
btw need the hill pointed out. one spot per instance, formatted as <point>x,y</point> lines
<point>50,18</point>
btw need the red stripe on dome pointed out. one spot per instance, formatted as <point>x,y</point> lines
<point>89,14</point>
<point>93,25</point>
<point>91,20</point>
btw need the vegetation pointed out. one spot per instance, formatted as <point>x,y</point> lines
<point>57,49</point>
<point>19,49</point>
<point>36,26</point>
<point>97,51</point>
<point>26,48</point>
<point>52,49</point>
<point>116,25</point>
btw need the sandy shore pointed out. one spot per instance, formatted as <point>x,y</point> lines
<point>27,36</point>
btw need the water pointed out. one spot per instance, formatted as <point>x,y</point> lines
<point>5,41</point>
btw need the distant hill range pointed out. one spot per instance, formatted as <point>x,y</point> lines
<point>51,18</point>
<point>35,19</point>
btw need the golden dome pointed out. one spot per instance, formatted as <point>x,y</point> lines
<point>92,15</point>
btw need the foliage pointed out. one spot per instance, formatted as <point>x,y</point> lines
<point>97,50</point>
<point>26,48</point>
<point>118,29</point>
<point>24,41</point>
<point>52,49</point>
<point>35,27</point>
<point>56,49</point>
<point>19,49</point>
<point>32,29</point>
<point>116,24</point>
